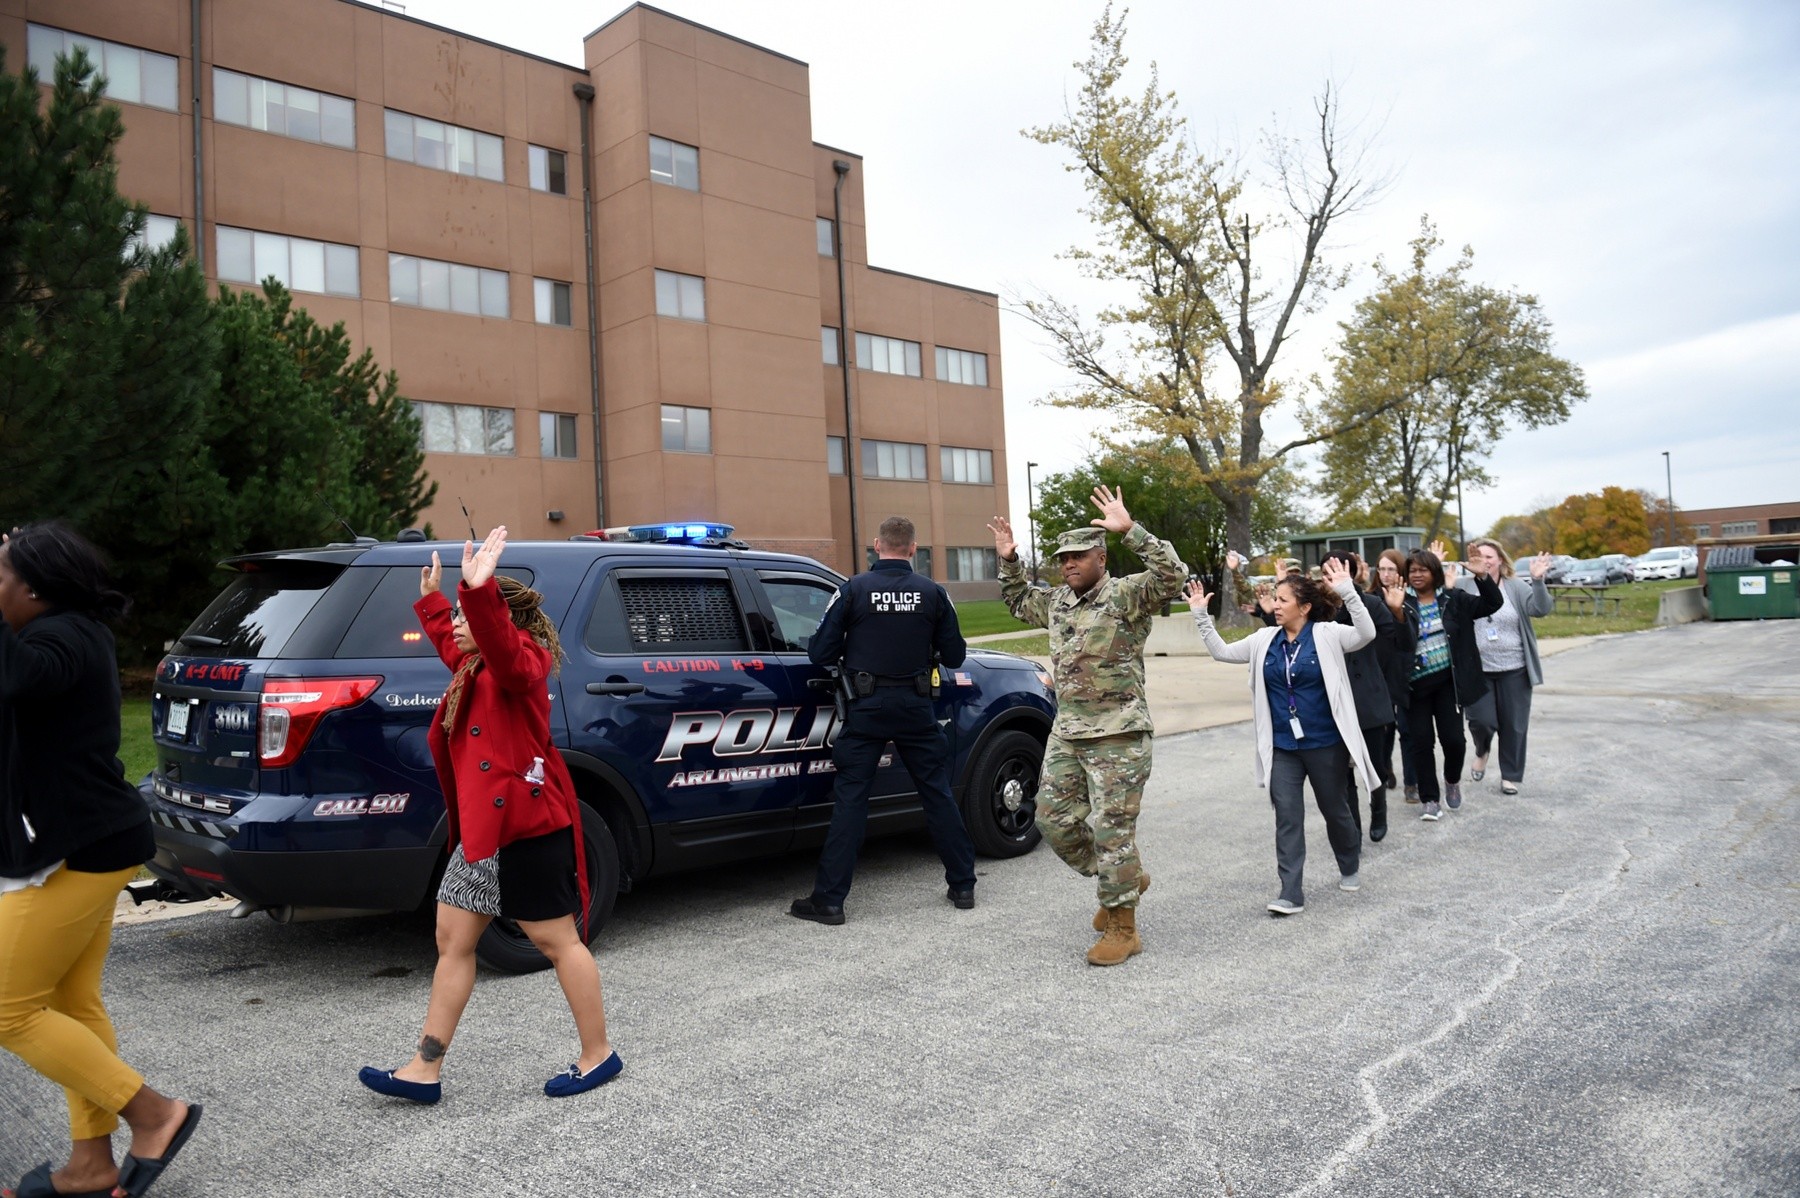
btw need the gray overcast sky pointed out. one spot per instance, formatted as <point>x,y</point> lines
<point>1630,163</point>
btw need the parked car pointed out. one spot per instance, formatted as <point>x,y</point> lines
<point>1595,572</point>
<point>1560,565</point>
<point>1621,560</point>
<point>290,724</point>
<point>1675,561</point>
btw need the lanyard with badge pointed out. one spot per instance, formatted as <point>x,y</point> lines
<point>1287,661</point>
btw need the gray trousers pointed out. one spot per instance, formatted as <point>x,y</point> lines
<point>1505,711</point>
<point>1328,770</point>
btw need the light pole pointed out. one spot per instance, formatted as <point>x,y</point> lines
<point>1031,517</point>
<point>1669,483</point>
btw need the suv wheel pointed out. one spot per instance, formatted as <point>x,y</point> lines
<point>505,948</point>
<point>1000,803</point>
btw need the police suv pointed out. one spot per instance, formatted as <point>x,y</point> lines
<point>290,724</point>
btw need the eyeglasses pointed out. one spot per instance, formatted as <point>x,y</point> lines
<point>456,615</point>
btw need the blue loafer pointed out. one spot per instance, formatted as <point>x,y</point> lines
<point>573,1081</point>
<point>383,1081</point>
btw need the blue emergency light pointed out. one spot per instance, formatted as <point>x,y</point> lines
<point>669,534</point>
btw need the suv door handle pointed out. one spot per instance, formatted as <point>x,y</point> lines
<point>821,684</point>
<point>614,688</point>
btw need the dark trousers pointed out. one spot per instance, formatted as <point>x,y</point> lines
<point>908,720</point>
<point>1403,731</point>
<point>1507,712</point>
<point>1434,701</point>
<point>1379,741</point>
<point>1328,770</point>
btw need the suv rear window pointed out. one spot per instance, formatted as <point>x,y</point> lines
<point>692,614</point>
<point>258,610</point>
<point>386,625</point>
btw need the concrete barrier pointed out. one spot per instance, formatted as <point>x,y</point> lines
<point>1174,636</point>
<point>1680,605</point>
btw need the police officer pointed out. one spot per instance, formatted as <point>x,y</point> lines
<point>888,629</point>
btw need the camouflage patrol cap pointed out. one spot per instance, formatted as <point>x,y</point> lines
<point>1080,540</point>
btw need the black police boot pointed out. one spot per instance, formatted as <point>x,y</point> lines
<point>964,899</point>
<point>1378,813</point>
<point>811,908</point>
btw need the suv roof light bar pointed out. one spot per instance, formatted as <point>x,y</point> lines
<point>697,533</point>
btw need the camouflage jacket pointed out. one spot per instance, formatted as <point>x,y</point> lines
<point>1097,639</point>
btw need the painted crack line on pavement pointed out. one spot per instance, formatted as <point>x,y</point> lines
<point>1379,1117</point>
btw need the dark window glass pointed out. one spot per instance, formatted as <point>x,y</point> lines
<point>387,626</point>
<point>799,606</point>
<point>258,611</point>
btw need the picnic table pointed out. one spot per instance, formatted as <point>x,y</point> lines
<point>1592,600</point>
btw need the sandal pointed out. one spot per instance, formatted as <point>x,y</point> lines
<point>138,1173</point>
<point>37,1184</point>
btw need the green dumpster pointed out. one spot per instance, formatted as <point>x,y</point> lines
<point>1742,587</point>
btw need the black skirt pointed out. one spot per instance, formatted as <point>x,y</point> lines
<point>537,877</point>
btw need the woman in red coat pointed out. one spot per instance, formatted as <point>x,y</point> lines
<point>515,823</point>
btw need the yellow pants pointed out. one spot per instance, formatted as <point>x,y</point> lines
<point>53,942</point>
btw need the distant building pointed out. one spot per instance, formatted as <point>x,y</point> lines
<point>1755,520</point>
<point>427,189</point>
<point>1366,543</point>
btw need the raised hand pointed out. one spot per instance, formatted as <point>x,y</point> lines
<point>1265,598</point>
<point>1395,597</point>
<point>1441,549</point>
<point>1004,545</point>
<point>478,565</point>
<point>1113,516</point>
<point>431,578</point>
<point>1196,595</point>
<point>1540,565</point>
<point>1233,559</point>
<point>1452,572</point>
<point>1334,572</point>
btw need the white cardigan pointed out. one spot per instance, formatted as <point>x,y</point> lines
<point>1332,641</point>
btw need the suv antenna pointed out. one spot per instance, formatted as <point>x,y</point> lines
<point>334,514</point>
<point>469,518</point>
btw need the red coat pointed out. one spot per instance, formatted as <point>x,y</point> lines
<point>502,724</point>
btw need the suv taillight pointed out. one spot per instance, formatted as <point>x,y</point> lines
<point>293,707</point>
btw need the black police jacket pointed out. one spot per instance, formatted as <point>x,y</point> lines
<point>889,622</point>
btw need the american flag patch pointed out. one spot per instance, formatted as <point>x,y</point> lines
<point>963,679</point>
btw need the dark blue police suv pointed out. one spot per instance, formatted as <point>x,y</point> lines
<point>290,721</point>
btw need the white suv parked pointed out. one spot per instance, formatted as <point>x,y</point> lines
<point>1677,561</point>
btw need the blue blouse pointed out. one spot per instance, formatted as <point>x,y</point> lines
<point>1299,662</point>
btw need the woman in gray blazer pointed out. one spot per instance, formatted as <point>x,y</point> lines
<point>1509,659</point>
<point>1305,714</point>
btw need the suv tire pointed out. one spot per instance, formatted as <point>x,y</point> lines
<point>504,948</point>
<point>999,804</point>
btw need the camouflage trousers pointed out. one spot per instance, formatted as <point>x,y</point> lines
<point>1104,776</point>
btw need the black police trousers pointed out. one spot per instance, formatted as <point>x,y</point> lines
<point>908,719</point>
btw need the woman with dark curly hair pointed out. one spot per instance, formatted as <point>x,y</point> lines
<point>515,823</point>
<point>73,831</point>
<point>1306,722</point>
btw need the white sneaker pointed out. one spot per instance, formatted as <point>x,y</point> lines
<point>1350,882</point>
<point>1433,812</point>
<point>1283,907</point>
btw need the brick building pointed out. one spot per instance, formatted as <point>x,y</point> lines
<point>1755,520</point>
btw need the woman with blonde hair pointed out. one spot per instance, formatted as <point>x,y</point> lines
<point>515,822</point>
<point>1509,660</point>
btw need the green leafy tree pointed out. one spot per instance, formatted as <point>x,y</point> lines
<point>1438,367</point>
<point>1166,493</point>
<point>1524,536</point>
<point>1212,286</point>
<point>1612,521</point>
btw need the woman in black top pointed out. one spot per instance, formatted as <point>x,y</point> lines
<point>72,833</point>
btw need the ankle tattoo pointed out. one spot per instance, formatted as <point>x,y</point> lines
<point>431,1048</point>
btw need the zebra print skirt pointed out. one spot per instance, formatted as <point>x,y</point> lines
<point>471,885</point>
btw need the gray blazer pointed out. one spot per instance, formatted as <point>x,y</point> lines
<point>1529,597</point>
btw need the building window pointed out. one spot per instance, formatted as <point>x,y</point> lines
<point>893,459</point>
<point>299,264</point>
<point>827,240</point>
<point>444,147</point>
<point>549,170</point>
<point>961,366</point>
<point>1738,528</point>
<point>674,164</point>
<point>828,345</point>
<point>1780,527</point>
<point>464,428</point>
<point>447,286</point>
<point>922,560</point>
<point>686,430</point>
<point>158,231</point>
<point>889,355</point>
<point>133,76</point>
<point>681,296</point>
<point>551,301</point>
<point>834,455</point>
<point>971,565</point>
<point>966,465</point>
<point>1703,530</point>
<point>556,435</point>
<point>282,108</point>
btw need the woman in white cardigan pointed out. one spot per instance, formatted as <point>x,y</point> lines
<point>1305,713</point>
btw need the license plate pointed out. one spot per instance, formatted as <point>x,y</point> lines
<point>178,718</point>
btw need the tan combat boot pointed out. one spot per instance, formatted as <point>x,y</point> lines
<point>1120,940</point>
<point>1101,917</point>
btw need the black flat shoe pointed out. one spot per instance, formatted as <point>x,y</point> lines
<point>806,908</point>
<point>964,899</point>
<point>1377,832</point>
<point>138,1173</point>
<point>37,1184</point>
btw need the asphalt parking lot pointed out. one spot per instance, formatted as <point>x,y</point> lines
<point>1585,990</point>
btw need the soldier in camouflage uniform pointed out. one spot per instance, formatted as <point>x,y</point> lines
<point>1098,756</point>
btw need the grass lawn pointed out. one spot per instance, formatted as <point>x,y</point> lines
<point>1039,646</point>
<point>1636,613</point>
<point>985,617</point>
<point>136,749</point>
